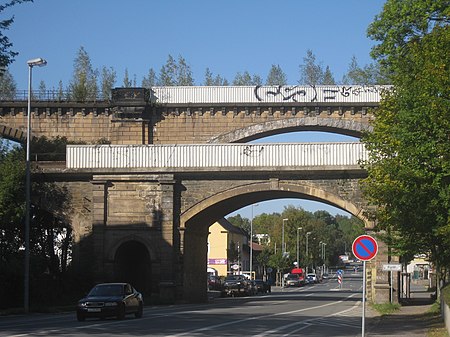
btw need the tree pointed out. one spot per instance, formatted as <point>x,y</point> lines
<point>402,22</point>
<point>108,79</point>
<point>328,78</point>
<point>150,80</point>
<point>50,231</point>
<point>276,76</point>
<point>8,86</point>
<point>371,74</point>
<point>168,72</point>
<point>184,73</point>
<point>311,73</point>
<point>84,82</point>
<point>409,164</point>
<point>6,54</point>
<point>126,80</point>
<point>211,80</point>
<point>246,79</point>
<point>240,222</point>
<point>42,90</point>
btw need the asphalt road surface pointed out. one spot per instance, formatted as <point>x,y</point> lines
<point>315,310</point>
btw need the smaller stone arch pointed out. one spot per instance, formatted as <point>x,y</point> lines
<point>347,127</point>
<point>133,262</point>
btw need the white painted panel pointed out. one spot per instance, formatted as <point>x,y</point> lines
<point>214,155</point>
<point>268,94</point>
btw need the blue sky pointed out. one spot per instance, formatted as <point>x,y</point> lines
<point>226,36</point>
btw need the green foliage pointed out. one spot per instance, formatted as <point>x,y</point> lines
<point>108,79</point>
<point>311,72</point>
<point>84,82</point>
<point>7,86</point>
<point>175,73</point>
<point>6,54</point>
<point>50,231</point>
<point>404,21</point>
<point>409,165</point>
<point>385,308</point>
<point>337,232</point>
<point>276,76</point>
<point>371,74</point>
<point>211,80</point>
<point>150,80</point>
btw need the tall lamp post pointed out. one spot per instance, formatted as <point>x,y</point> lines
<point>283,246</point>
<point>39,62</point>
<point>251,243</point>
<point>298,246</point>
<point>307,256</point>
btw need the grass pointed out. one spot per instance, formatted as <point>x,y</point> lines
<point>385,308</point>
<point>440,330</point>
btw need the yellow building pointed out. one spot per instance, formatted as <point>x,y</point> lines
<point>223,238</point>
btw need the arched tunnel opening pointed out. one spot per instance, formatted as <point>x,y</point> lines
<point>132,264</point>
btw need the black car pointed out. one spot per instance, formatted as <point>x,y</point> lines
<point>262,286</point>
<point>236,285</point>
<point>111,299</point>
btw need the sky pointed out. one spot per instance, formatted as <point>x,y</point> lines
<point>225,36</point>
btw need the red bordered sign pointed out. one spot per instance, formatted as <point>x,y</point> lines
<point>365,247</point>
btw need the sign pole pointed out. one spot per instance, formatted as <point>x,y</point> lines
<point>392,286</point>
<point>365,248</point>
<point>363,299</point>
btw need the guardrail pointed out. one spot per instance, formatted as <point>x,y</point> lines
<point>215,155</point>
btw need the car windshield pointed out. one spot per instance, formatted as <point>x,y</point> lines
<point>107,290</point>
<point>292,277</point>
<point>233,278</point>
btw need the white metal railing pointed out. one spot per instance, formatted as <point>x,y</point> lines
<point>215,155</point>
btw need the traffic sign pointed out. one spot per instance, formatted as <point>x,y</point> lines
<point>365,247</point>
<point>392,267</point>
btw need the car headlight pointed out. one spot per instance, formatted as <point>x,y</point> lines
<point>82,304</point>
<point>110,304</point>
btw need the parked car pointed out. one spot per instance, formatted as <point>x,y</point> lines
<point>111,299</point>
<point>292,280</point>
<point>236,285</point>
<point>313,276</point>
<point>214,282</point>
<point>262,286</point>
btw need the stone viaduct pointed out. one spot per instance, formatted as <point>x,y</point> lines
<point>149,226</point>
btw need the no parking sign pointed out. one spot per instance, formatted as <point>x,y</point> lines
<point>365,247</point>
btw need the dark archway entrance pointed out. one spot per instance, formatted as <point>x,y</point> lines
<point>132,264</point>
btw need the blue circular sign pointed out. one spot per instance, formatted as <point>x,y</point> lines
<point>365,247</point>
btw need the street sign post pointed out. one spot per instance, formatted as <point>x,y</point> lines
<point>365,248</point>
<point>390,267</point>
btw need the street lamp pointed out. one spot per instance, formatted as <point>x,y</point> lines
<point>307,256</point>
<point>298,247</point>
<point>39,62</point>
<point>251,243</point>
<point>283,247</point>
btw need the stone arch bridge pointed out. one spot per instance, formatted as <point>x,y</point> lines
<point>142,205</point>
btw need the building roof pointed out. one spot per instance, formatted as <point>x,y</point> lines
<point>230,227</point>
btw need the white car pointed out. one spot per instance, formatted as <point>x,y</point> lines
<point>313,276</point>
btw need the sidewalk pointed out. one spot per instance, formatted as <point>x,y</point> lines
<point>412,319</point>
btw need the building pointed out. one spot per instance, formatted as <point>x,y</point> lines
<point>228,248</point>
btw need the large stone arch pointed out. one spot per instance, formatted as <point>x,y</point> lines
<point>196,220</point>
<point>347,127</point>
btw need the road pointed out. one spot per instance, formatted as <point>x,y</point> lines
<point>315,310</point>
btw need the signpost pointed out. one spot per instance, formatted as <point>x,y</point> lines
<point>364,248</point>
<point>390,267</point>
